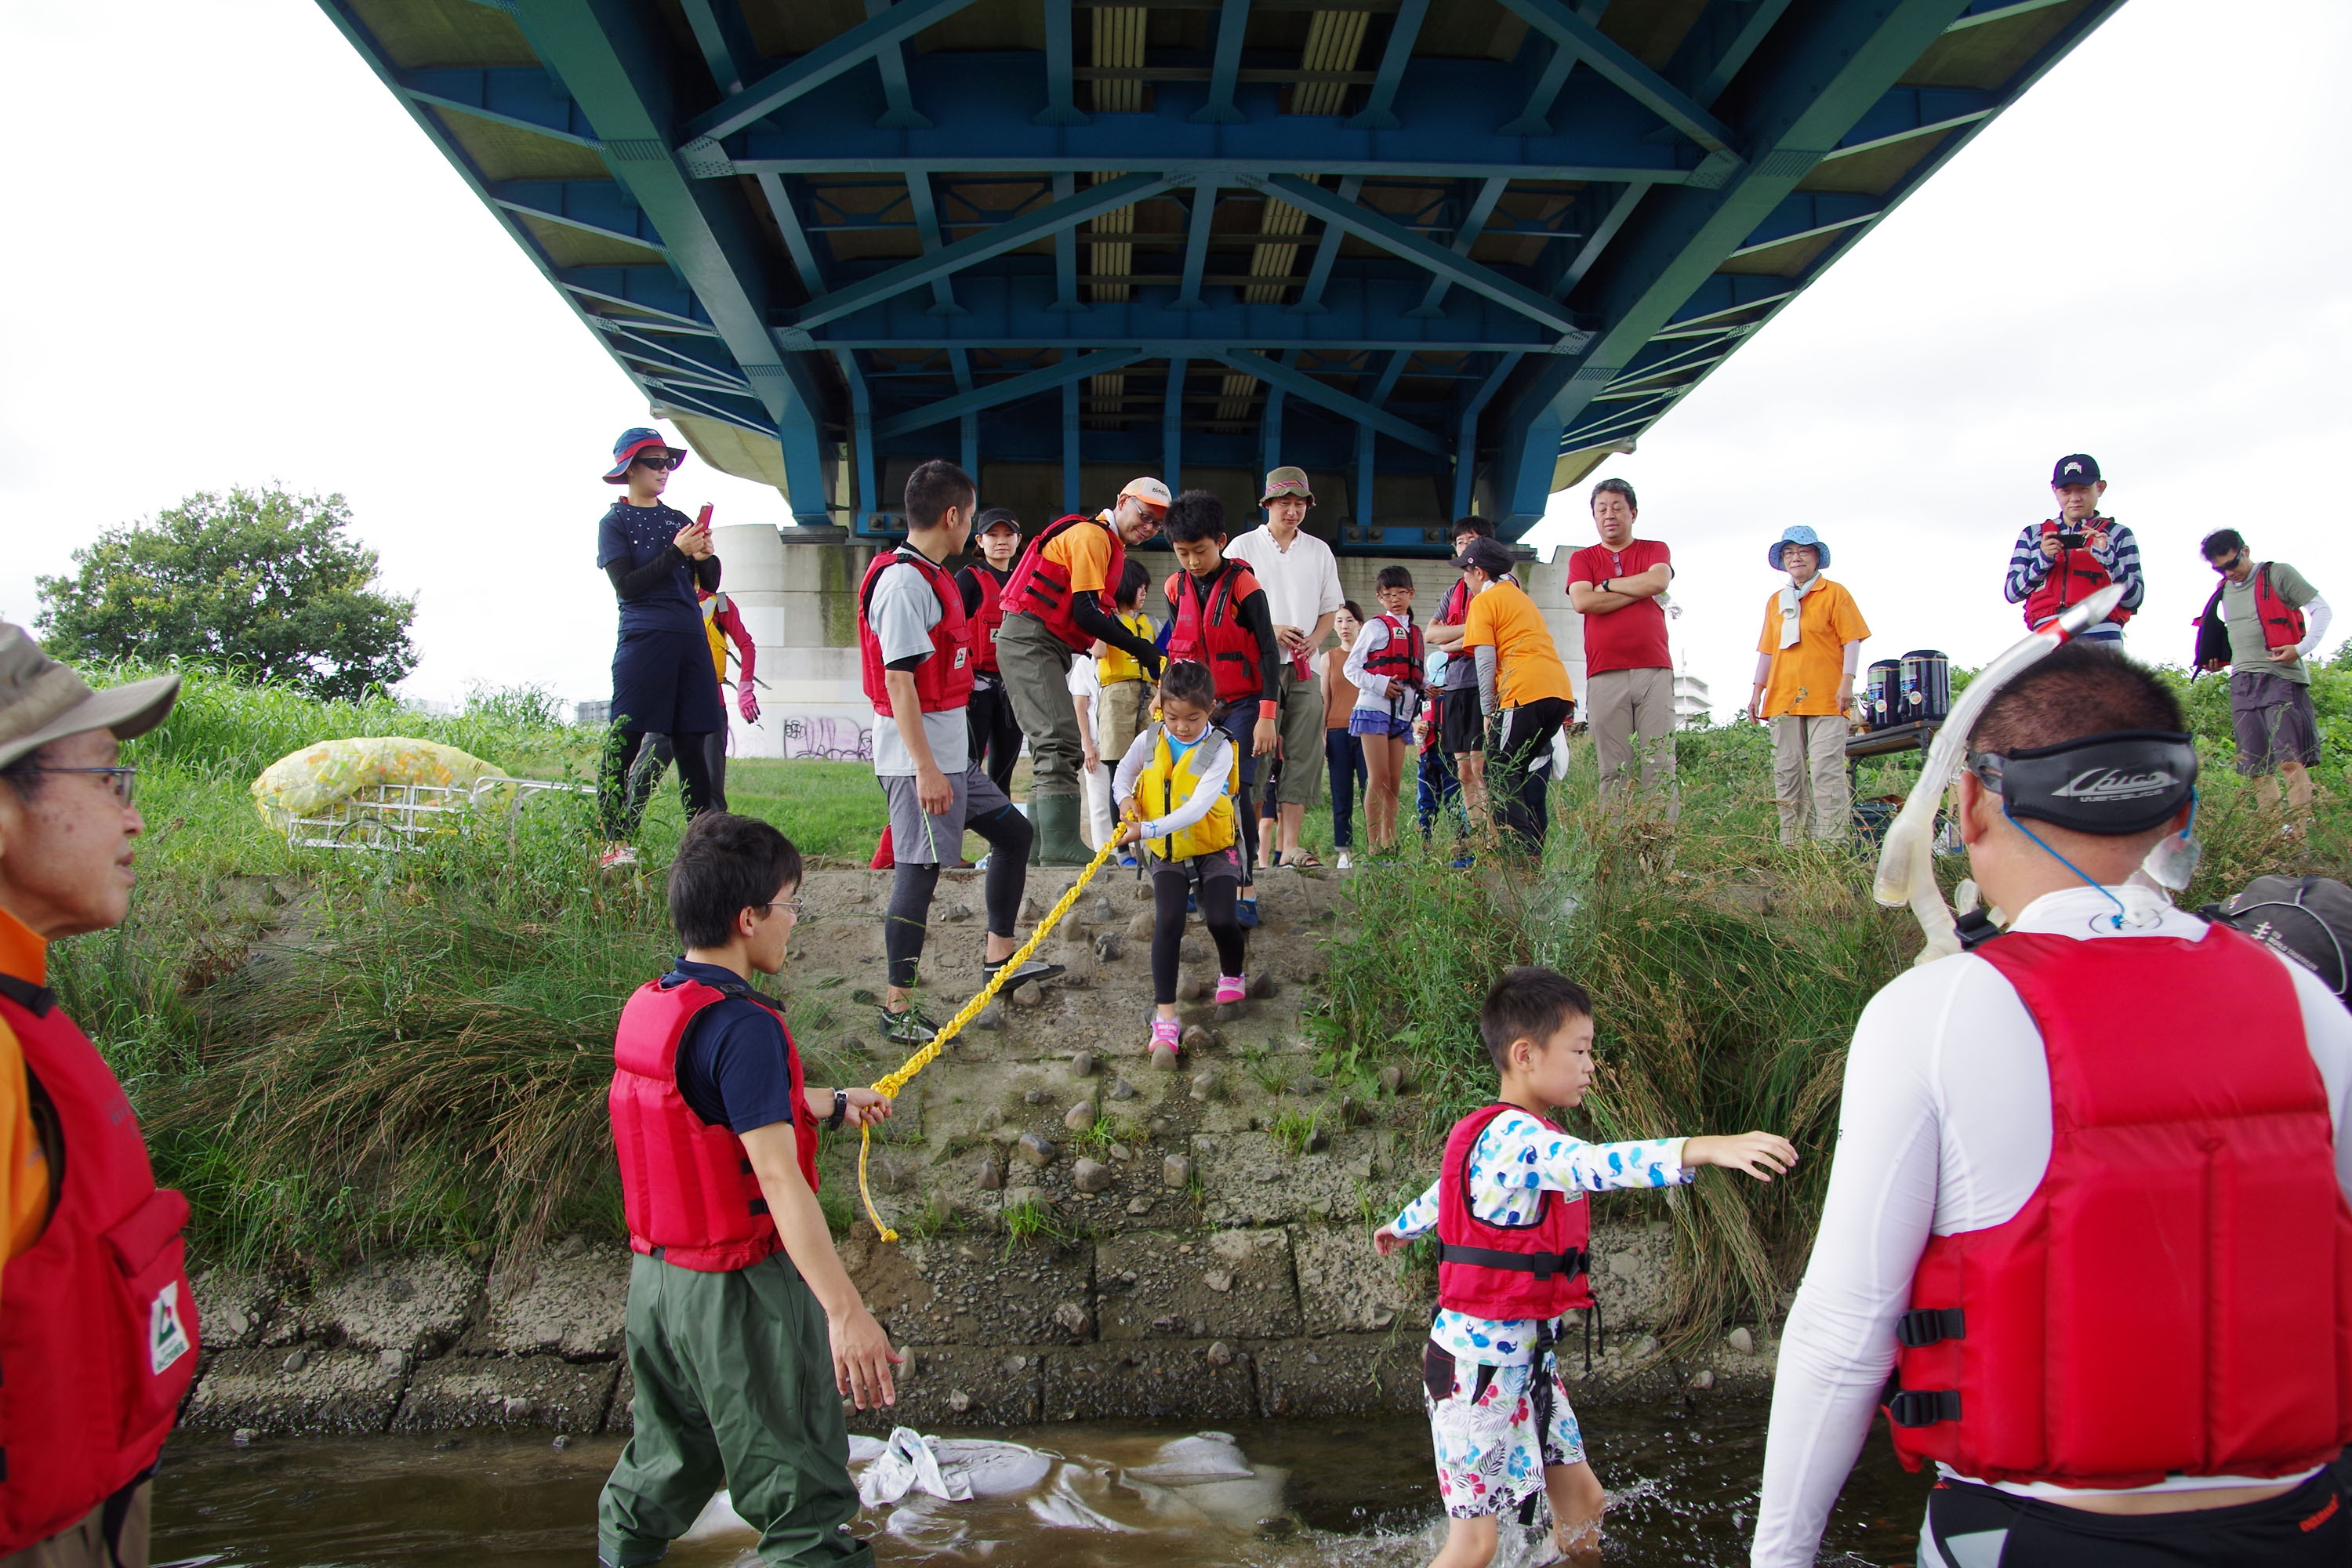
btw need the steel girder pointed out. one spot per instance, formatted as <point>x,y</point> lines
<point>1240,233</point>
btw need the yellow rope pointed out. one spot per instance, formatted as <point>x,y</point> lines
<point>891,1083</point>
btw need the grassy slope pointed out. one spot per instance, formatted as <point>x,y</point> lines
<point>419,1058</point>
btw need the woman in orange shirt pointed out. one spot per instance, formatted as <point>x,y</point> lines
<point>1805,662</point>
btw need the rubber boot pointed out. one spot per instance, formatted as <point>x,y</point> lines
<point>1055,818</point>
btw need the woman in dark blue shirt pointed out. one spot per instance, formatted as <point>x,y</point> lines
<point>663,682</point>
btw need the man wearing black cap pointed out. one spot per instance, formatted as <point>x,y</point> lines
<point>2059,563</point>
<point>2059,1156</point>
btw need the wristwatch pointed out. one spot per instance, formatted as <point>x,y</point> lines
<point>1604,584</point>
<point>840,1109</point>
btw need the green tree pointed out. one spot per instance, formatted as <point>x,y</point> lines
<point>268,585</point>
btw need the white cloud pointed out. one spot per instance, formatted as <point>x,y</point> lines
<point>248,264</point>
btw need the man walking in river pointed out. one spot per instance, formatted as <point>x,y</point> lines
<point>98,1330</point>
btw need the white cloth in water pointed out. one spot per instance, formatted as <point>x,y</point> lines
<point>955,1469</point>
<point>1203,1457</point>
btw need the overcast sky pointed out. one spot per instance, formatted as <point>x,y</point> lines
<point>246,264</point>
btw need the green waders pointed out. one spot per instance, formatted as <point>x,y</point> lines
<point>734,1389</point>
<point>1036,666</point>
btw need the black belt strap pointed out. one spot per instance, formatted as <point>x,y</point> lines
<point>1542,1265</point>
<point>1924,1407</point>
<point>1930,1325</point>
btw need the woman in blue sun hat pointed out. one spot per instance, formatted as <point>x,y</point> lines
<point>661,682</point>
<point>1805,661</point>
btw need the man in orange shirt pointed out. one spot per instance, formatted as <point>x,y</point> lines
<point>98,1331</point>
<point>1523,689</point>
<point>1804,686</point>
<point>1059,602</point>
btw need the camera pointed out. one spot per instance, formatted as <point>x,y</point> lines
<point>2070,538</point>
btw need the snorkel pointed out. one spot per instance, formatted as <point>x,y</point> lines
<point>1906,861</point>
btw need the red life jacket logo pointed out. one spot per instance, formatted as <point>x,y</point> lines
<point>167,1335</point>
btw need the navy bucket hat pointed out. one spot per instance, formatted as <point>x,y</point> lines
<point>1801,534</point>
<point>633,441</point>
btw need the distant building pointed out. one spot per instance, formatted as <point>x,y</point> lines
<point>1692,709</point>
<point>593,715</point>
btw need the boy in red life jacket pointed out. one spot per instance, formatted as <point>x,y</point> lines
<point>2060,1154</point>
<point>1219,616</point>
<point>1384,667</point>
<point>1512,1226</point>
<point>98,1330</point>
<point>915,643</point>
<point>743,1326</point>
<point>995,729</point>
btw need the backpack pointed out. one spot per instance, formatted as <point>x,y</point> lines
<point>2307,919</point>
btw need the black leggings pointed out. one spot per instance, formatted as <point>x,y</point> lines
<point>1236,724</point>
<point>909,920</point>
<point>995,734</point>
<point>1170,887</point>
<point>622,807</point>
<point>645,773</point>
<point>1343,754</point>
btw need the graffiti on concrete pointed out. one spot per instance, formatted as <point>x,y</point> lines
<point>828,736</point>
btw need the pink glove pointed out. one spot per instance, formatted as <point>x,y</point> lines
<point>749,704</point>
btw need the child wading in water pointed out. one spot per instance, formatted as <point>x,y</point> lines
<point>1512,1227</point>
<point>1179,772</point>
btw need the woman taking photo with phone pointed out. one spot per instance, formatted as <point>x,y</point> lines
<point>662,680</point>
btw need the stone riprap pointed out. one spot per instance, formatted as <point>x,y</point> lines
<point>1195,1248</point>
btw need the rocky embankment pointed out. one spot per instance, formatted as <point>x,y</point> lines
<point>1086,1238</point>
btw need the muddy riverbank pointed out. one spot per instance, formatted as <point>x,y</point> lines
<point>1087,1238</point>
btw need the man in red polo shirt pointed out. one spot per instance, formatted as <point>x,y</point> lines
<point>1629,675</point>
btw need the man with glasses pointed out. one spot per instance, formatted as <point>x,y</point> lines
<point>657,558</point>
<point>2262,623</point>
<point>90,1256</point>
<point>1061,599</point>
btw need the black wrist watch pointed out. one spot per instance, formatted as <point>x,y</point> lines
<point>840,1109</point>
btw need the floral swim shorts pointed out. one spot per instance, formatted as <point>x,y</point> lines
<point>1491,1455</point>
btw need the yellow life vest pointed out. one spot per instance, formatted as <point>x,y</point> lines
<point>1168,783</point>
<point>1117,663</point>
<point>714,635</point>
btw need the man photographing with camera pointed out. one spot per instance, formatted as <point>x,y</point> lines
<point>2059,563</point>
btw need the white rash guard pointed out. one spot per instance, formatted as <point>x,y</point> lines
<point>1945,1127</point>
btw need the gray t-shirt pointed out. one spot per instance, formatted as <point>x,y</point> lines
<point>902,613</point>
<point>2247,649</point>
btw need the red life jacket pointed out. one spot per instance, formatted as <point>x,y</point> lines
<point>2175,1297</point>
<point>1212,632</point>
<point>686,1185</point>
<point>2073,578</point>
<point>1453,612</point>
<point>1401,658</point>
<point>991,617</point>
<point>942,681</point>
<point>1534,1267</point>
<point>1040,588</point>
<point>2282,624</point>
<point>99,1339</point>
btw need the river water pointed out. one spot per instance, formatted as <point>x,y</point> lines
<point>1349,1493</point>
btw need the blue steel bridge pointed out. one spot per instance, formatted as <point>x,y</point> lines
<point>1446,255</point>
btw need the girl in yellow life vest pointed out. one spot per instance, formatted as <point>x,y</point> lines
<point>1175,788</point>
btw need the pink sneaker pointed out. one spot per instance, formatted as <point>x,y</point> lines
<point>1165,1034</point>
<point>1231,988</point>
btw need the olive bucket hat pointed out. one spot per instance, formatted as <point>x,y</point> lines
<point>42,700</point>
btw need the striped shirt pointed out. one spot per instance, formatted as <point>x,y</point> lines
<point>2028,566</point>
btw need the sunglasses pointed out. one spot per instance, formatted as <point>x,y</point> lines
<point>123,782</point>
<point>661,464</point>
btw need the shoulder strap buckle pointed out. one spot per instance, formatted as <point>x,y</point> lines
<point>1930,1325</point>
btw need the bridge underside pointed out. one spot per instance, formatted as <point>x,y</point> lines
<point>1446,255</point>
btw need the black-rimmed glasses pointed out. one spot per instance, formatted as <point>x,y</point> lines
<point>123,782</point>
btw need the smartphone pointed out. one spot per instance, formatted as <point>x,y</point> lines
<point>702,520</point>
